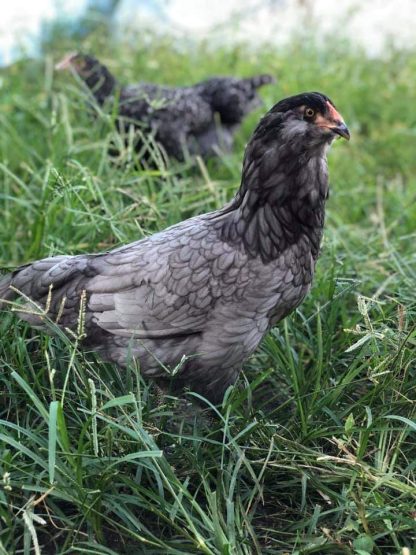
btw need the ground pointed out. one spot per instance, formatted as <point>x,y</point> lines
<point>314,450</point>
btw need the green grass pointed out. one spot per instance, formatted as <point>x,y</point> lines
<point>315,451</point>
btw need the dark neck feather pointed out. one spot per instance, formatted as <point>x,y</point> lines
<point>100,81</point>
<point>281,200</point>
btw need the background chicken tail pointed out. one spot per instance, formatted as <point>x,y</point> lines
<point>6,294</point>
<point>260,80</point>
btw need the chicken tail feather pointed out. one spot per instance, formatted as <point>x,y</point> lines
<point>6,293</point>
<point>259,80</point>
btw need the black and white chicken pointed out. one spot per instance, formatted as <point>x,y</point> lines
<point>200,119</point>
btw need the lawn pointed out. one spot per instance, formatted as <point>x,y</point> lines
<point>314,451</point>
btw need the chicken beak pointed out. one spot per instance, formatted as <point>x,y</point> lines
<point>342,130</point>
<point>335,122</point>
<point>66,62</point>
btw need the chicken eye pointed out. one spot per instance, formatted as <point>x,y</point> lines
<point>309,112</point>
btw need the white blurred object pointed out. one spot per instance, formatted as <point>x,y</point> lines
<point>371,24</point>
<point>368,23</point>
<point>21,22</point>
